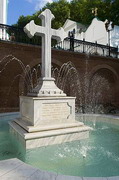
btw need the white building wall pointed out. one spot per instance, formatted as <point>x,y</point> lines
<point>70,28</point>
<point>96,32</point>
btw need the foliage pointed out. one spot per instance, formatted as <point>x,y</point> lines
<point>115,12</point>
<point>61,11</point>
<point>77,10</point>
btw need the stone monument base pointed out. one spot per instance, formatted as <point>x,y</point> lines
<point>46,121</point>
<point>49,136</point>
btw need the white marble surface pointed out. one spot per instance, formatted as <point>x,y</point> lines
<point>47,121</point>
<point>43,175</point>
<point>48,137</point>
<point>7,166</point>
<point>14,169</point>
<point>48,127</point>
<point>46,32</point>
<point>94,178</point>
<point>47,104</point>
<point>63,177</point>
<point>46,86</point>
<point>113,178</point>
<point>47,110</point>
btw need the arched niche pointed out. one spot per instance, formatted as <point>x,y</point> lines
<point>102,91</point>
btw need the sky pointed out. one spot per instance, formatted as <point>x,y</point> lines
<point>17,8</point>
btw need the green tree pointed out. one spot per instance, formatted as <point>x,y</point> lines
<point>77,10</point>
<point>81,10</point>
<point>115,12</point>
<point>61,11</point>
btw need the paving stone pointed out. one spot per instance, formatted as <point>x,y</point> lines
<point>8,165</point>
<point>13,178</point>
<point>14,169</point>
<point>21,172</point>
<point>113,178</point>
<point>63,177</point>
<point>43,175</point>
<point>94,178</point>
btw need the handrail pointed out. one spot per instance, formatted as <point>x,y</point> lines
<point>17,34</point>
<point>87,47</point>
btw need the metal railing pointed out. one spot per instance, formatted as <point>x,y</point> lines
<point>87,47</point>
<point>11,33</point>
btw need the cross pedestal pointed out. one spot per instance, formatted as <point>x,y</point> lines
<point>47,114</point>
<point>46,87</point>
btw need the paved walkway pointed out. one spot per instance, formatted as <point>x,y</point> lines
<point>14,169</point>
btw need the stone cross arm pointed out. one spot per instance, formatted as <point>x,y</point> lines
<point>32,29</point>
<point>59,34</point>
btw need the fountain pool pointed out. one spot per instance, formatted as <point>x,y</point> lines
<point>97,156</point>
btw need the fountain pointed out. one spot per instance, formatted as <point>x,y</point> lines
<point>47,114</point>
<point>48,118</point>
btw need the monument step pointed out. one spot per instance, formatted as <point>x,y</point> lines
<point>48,133</point>
<point>28,128</point>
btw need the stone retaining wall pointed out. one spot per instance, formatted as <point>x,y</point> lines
<point>89,68</point>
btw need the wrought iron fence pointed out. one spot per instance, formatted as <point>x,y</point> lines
<point>11,33</point>
<point>87,47</point>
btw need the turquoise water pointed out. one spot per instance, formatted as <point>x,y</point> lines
<point>96,156</point>
<point>7,148</point>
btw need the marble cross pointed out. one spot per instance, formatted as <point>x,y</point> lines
<point>46,32</point>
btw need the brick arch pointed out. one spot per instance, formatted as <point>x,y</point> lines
<point>103,84</point>
<point>104,66</point>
